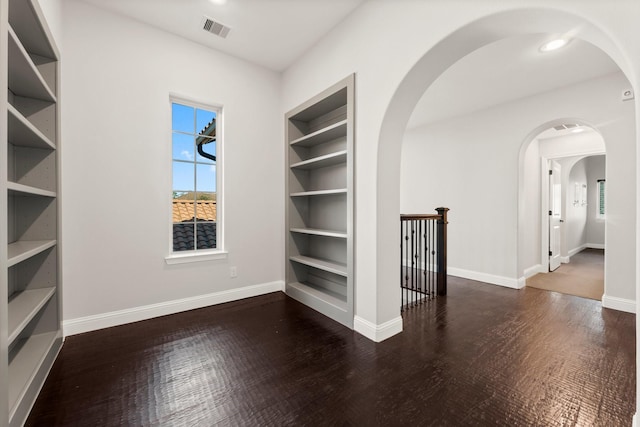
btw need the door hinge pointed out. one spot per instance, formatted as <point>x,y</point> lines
<point>551,172</point>
<point>550,253</point>
<point>550,213</point>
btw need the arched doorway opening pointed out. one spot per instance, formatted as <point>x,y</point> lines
<point>425,72</point>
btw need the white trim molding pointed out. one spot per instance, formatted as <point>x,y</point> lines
<point>620,304</point>
<point>377,333</point>
<point>533,270</point>
<point>634,423</point>
<point>136,314</point>
<point>507,282</point>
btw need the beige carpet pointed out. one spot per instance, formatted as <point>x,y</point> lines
<point>583,276</point>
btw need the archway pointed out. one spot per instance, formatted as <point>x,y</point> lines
<point>418,79</point>
<point>570,143</point>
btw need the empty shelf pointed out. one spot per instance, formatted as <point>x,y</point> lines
<point>336,300</point>
<point>23,133</point>
<point>25,249</point>
<point>322,161</point>
<point>26,363</point>
<point>318,232</point>
<point>24,307</point>
<point>329,133</point>
<point>24,78</point>
<point>25,190</point>
<point>30,26</point>
<point>321,264</point>
<point>319,192</point>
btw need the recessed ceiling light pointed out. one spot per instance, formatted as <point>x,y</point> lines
<point>220,2</point>
<point>553,45</point>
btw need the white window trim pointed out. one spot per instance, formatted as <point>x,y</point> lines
<point>200,255</point>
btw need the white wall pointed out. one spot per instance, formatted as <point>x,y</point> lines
<point>470,164</point>
<point>531,209</point>
<point>596,169</point>
<point>576,213</point>
<point>116,175</point>
<point>420,40</point>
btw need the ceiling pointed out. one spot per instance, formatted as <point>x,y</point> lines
<point>507,70</point>
<point>275,33</point>
<point>271,33</point>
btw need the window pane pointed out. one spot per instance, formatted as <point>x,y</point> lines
<point>209,147</point>
<point>206,209</point>
<point>206,235</point>
<point>206,178</point>
<point>205,122</point>
<point>182,118</point>
<point>183,237</point>
<point>183,179</point>
<point>183,209</point>
<point>183,147</point>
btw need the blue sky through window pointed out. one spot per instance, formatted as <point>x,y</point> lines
<point>191,171</point>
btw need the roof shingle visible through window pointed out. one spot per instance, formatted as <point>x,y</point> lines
<point>183,210</point>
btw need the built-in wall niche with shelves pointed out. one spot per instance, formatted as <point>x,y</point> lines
<point>32,167</point>
<point>320,212</point>
<point>319,138</point>
<point>38,114</point>
<point>29,351</point>
<point>31,218</point>
<point>321,247</point>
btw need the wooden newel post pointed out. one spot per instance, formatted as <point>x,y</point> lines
<point>442,250</point>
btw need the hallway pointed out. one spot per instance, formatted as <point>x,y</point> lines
<point>583,276</point>
<point>482,355</point>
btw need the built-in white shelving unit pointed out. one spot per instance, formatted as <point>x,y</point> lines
<point>31,335</point>
<point>320,144</point>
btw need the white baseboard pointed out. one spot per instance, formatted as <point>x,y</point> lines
<point>633,420</point>
<point>121,317</point>
<point>533,270</point>
<point>574,251</point>
<point>620,304</point>
<point>487,278</point>
<point>377,333</point>
<point>565,259</point>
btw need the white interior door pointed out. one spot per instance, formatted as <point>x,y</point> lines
<point>555,213</point>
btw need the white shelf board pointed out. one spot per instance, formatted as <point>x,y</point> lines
<point>24,307</point>
<point>319,192</point>
<point>25,249</point>
<point>326,296</point>
<point>323,135</point>
<point>321,264</point>
<point>26,363</point>
<point>24,78</point>
<point>22,133</point>
<point>26,190</point>
<point>318,232</point>
<point>330,159</point>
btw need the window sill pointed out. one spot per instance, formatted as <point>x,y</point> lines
<point>184,258</point>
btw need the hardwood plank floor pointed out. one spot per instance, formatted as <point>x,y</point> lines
<point>483,355</point>
<point>583,276</point>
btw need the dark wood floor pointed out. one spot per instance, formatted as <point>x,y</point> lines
<point>483,355</point>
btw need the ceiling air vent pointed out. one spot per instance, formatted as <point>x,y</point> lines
<point>214,27</point>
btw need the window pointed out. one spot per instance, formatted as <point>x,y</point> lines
<point>195,199</point>
<point>601,198</point>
